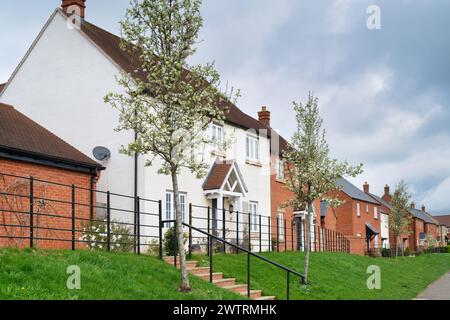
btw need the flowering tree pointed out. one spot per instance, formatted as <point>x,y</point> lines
<point>312,174</point>
<point>168,103</point>
<point>400,218</point>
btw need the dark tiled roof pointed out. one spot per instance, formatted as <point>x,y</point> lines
<point>217,175</point>
<point>445,220</point>
<point>20,135</point>
<point>130,62</point>
<point>423,216</point>
<point>353,192</point>
<point>380,200</point>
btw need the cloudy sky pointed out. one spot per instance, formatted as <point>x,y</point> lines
<point>384,94</point>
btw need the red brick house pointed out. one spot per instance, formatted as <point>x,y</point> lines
<point>445,228</point>
<point>358,218</point>
<point>29,150</point>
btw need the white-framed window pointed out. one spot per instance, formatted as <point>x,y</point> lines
<point>217,136</point>
<point>375,212</point>
<point>358,209</point>
<point>252,148</point>
<point>253,215</point>
<point>281,224</point>
<point>367,208</point>
<point>170,206</point>
<point>279,169</point>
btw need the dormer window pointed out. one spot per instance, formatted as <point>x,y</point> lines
<point>252,148</point>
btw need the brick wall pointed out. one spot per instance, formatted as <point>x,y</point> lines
<point>51,206</point>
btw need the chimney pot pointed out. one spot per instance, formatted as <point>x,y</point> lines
<point>424,208</point>
<point>264,116</point>
<point>387,190</point>
<point>74,6</point>
<point>413,205</point>
<point>366,187</point>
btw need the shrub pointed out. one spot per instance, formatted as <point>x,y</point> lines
<point>96,237</point>
<point>153,248</point>
<point>169,238</point>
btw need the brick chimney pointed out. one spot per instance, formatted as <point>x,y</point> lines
<point>74,6</point>
<point>387,194</point>
<point>264,116</point>
<point>413,205</point>
<point>366,187</point>
<point>424,209</point>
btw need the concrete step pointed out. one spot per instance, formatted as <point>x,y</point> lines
<point>216,276</point>
<point>254,294</point>
<point>225,282</point>
<point>199,271</point>
<point>268,298</point>
<point>238,288</point>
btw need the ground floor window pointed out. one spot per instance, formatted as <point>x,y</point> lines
<point>281,225</point>
<point>253,212</point>
<point>170,206</point>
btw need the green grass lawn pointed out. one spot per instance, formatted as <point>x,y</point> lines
<point>31,274</point>
<point>337,276</point>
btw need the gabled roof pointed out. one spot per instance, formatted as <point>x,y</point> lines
<point>220,175</point>
<point>371,228</point>
<point>129,62</point>
<point>445,220</point>
<point>423,216</point>
<point>21,136</point>
<point>353,192</point>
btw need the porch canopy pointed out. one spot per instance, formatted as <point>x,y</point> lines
<point>225,180</point>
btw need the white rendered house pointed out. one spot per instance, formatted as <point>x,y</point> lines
<point>61,83</point>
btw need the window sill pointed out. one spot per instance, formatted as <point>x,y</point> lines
<point>280,180</point>
<point>218,153</point>
<point>254,163</point>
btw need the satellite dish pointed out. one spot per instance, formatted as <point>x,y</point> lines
<point>101,153</point>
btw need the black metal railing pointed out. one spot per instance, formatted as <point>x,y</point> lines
<point>249,254</point>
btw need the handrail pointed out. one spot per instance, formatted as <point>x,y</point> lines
<point>246,251</point>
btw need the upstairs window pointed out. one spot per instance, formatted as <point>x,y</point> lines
<point>279,169</point>
<point>367,208</point>
<point>217,136</point>
<point>358,209</point>
<point>252,148</point>
<point>375,212</point>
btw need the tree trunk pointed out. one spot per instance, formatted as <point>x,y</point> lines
<point>307,243</point>
<point>396,247</point>
<point>185,286</point>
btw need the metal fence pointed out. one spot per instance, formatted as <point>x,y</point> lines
<point>54,215</point>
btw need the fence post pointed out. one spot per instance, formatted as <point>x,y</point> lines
<point>190,231</point>
<point>260,235</point>
<point>237,230</point>
<point>209,229</point>
<point>31,212</point>
<point>249,233</point>
<point>108,220</point>
<point>138,222</point>
<point>91,199</point>
<point>278,234</point>
<point>284,235</point>
<point>73,217</point>
<point>223,229</point>
<point>292,235</point>
<point>160,229</point>
<point>210,258</point>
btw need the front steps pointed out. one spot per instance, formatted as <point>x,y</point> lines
<point>218,279</point>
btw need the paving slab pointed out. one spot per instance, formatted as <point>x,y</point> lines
<point>440,290</point>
